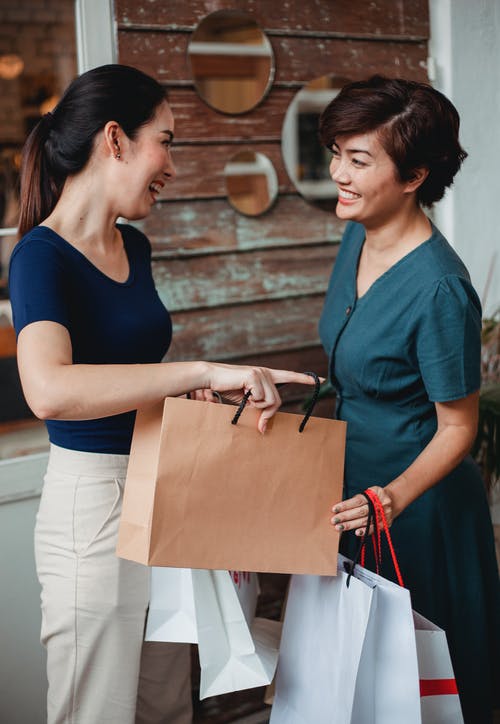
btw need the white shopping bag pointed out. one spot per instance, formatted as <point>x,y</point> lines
<point>234,654</point>
<point>247,590</point>
<point>323,636</point>
<point>171,615</point>
<point>387,687</point>
<point>439,699</point>
<point>405,674</point>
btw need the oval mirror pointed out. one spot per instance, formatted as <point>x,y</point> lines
<point>232,62</point>
<point>306,160</point>
<point>251,182</point>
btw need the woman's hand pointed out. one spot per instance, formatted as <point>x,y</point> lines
<point>352,514</point>
<point>235,380</point>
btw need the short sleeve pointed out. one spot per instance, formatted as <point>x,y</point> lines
<point>448,340</point>
<point>37,284</point>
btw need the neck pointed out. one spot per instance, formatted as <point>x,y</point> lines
<point>83,214</point>
<point>401,233</point>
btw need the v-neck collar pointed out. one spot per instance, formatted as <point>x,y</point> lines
<point>401,262</point>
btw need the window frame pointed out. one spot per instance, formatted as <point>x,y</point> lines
<point>96,44</point>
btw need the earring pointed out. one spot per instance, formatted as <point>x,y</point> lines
<point>118,155</point>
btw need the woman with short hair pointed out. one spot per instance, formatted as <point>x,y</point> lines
<point>402,327</point>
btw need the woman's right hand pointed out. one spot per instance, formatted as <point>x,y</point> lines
<point>234,381</point>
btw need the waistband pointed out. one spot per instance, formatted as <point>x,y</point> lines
<point>79,462</point>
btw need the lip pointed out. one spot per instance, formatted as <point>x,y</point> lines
<point>154,194</point>
<point>345,201</point>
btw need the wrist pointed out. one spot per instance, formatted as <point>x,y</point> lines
<point>395,491</point>
<point>203,374</point>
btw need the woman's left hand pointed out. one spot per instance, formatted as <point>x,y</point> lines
<point>352,514</point>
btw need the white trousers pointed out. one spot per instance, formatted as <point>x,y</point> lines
<point>94,605</point>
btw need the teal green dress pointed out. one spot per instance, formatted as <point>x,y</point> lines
<point>411,340</point>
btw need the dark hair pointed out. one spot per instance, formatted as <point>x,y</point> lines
<point>417,126</point>
<point>61,143</point>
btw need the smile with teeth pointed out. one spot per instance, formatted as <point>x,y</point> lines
<point>155,188</point>
<point>349,195</point>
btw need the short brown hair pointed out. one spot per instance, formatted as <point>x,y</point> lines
<point>417,126</point>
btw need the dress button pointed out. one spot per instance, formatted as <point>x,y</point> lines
<point>348,310</point>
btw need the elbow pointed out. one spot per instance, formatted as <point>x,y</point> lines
<point>42,410</point>
<point>43,402</point>
<point>468,440</point>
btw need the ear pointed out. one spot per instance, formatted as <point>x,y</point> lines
<point>417,179</point>
<point>113,136</point>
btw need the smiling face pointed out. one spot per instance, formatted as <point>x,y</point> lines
<point>147,163</point>
<point>369,187</point>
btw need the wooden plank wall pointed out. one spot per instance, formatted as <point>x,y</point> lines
<point>251,289</point>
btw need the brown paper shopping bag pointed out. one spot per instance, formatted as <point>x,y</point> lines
<point>204,493</point>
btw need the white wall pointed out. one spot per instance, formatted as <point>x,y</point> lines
<point>465,49</point>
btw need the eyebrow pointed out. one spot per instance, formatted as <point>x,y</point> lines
<point>169,134</point>
<point>355,150</point>
<point>359,150</point>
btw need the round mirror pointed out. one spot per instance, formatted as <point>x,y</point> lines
<point>231,60</point>
<point>306,160</point>
<point>251,182</point>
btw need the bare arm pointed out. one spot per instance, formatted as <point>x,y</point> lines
<point>456,430</point>
<point>55,388</point>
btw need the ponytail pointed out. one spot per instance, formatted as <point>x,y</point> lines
<point>61,143</point>
<point>39,188</point>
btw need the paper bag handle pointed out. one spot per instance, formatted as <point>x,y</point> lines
<point>376,514</point>
<point>309,410</point>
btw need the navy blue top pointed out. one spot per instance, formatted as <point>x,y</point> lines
<point>109,322</point>
<point>414,338</point>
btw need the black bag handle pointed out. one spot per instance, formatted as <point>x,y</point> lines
<point>309,410</point>
<point>372,518</point>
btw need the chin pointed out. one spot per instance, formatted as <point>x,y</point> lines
<point>136,214</point>
<point>345,212</point>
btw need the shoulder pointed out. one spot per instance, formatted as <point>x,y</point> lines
<point>440,260</point>
<point>39,246</point>
<point>440,274</point>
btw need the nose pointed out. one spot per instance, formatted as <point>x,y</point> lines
<point>339,170</point>
<point>170,171</point>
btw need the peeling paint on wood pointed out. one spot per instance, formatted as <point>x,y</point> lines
<point>200,169</point>
<point>164,55</point>
<point>234,278</point>
<point>196,122</point>
<point>404,17</point>
<point>249,329</point>
<point>213,226</point>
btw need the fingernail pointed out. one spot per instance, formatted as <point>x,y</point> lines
<point>336,520</point>
<point>359,532</point>
<point>340,528</point>
<point>336,509</point>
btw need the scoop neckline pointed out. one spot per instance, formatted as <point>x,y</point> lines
<point>90,264</point>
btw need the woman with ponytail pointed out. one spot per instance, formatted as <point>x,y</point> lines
<point>92,332</point>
